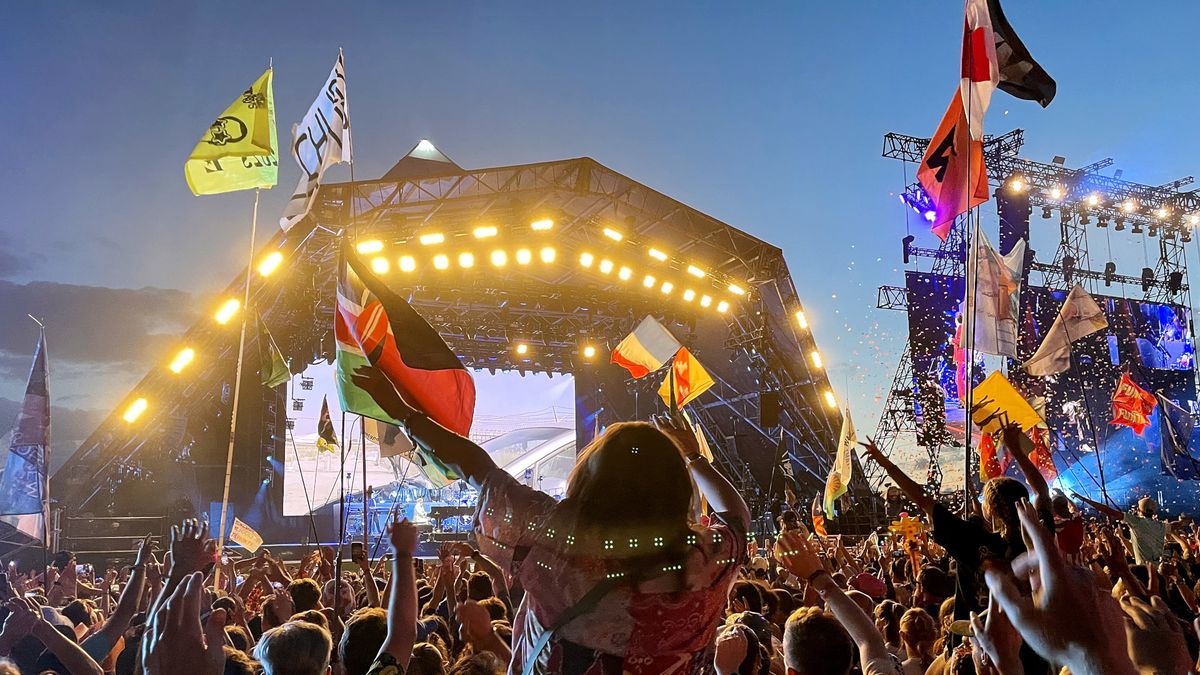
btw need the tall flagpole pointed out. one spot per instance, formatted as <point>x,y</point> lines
<point>45,477</point>
<point>237,386</point>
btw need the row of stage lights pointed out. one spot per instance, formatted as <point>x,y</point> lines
<point>498,258</point>
<point>1128,208</point>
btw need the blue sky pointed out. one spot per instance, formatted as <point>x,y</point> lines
<point>768,116</point>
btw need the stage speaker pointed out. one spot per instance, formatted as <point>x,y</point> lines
<point>768,409</point>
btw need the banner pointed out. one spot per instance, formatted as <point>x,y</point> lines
<point>691,379</point>
<point>240,149</point>
<point>23,484</point>
<point>243,535</point>
<point>319,141</point>
<point>838,481</point>
<point>996,404</point>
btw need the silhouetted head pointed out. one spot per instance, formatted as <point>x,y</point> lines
<point>1000,497</point>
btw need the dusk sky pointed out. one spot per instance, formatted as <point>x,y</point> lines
<point>768,116</point>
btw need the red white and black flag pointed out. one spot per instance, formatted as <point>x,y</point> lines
<point>1020,75</point>
<point>980,70</point>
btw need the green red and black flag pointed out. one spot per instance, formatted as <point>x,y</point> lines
<point>273,367</point>
<point>326,438</point>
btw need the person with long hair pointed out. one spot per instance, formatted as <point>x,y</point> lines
<point>617,576</point>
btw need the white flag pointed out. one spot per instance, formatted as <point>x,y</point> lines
<point>319,141</point>
<point>838,481</point>
<point>994,290</point>
<point>980,68</point>
<point>1080,316</point>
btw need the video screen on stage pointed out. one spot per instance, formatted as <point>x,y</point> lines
<point>527,424</point>
<point>933,316</point>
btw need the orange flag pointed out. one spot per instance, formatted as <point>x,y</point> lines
<point>989,461</point>
<point>952,171</point>
<point>1041,456</point>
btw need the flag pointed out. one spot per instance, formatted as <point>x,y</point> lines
<point>952,171</point>
<point>326,438</point>
<point>272,366</point>
<point>838,481</point>
<point>243,535</point>
<point>1175,427</point>
<point>23,486</point>
<point>1040,455</point>
<point>1132,406</point>
<point>818,517</point>
<point>993,296</point>
<point>980,71</point>
<point>691,379</point>
<point>392,440</point>
<point>996,403</point>
<point>1020,75</point>
<point>1080,316</point>
<point>319,141</point>
<point>646,349</point>
<point>390,335</point>
<point>240,149</point>
<point>992,463</point>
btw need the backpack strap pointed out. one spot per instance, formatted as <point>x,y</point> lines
<point>586,604</point>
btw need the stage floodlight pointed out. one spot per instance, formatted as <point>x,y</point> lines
<point>586,259</point>
<point>1056,193</point>
<point>466,259</point>
<point>227,310</point>
<point>589,352</point>
<point>1093,199</point>
<point>624,274</point>
<point>1046,212</point>
<point>736,290</point>
<point>380,265</point>
<point>522,348</point>
<point>270,263</point>
<point>649,281</point>
<point>695,271</point>
<point>135,410</point>
<point>182,359</point>
<point>606,266</point>
<point>408,263</point>
<point>657,255</point>
<point>613,234</point>
<point>524,256</point>
<point>441,261</point>
<point>1128,206</point>
<point>370,246</point>
<point>689,295</point>
<point>1161,212</point>
<point>801,319</point>
<point>1120,224</point>
<point>431,238</point>
<point>1016,184</point>
<point>816,359</point>
<point>667,287</point>
<point>499,258</point>
<point>722,306</point>
<point>485,231</point>
<point>548,254</point>
<point>830,399</point>
<point>542,224</point>
<point>1194,219</point>
<point>705,301</point>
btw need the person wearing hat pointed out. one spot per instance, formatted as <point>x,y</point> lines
<point>1147,532</point>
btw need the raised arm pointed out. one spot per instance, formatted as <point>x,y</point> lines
<point>74,659</point>
<point>911,489</point>
<point>1019,445</point>
<point>402,599</point>
<point>131,595</point>
<point>1102,508</point>
<point>720,493</point>
<point>461,455</point>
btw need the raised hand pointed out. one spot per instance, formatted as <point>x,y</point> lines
<point>176,640</point>
<point>1154,637</point>
<point>474,621</point>
<point>797,556</point>
<point>145,551</point>
<point>373,381</point>
<point>191,548</point>
<point>996,641</point>
<point>1050,620</point>
<point>23,615</point>
<point>677,429</point>
<point>872,451</point>
<point>403,537</point>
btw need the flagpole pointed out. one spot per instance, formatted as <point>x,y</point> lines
<point>237,386</point>
<point>45,477</point>
<point>362,423</point>
<point>969,269</point>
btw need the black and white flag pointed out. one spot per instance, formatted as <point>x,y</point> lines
<point>319,141</point>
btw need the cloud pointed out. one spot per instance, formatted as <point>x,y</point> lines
<point>69,427</point>
<point>14,261</point>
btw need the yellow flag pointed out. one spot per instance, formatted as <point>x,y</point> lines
<point>239,150</point>
<point>995,403</point>
<point>691,379</point>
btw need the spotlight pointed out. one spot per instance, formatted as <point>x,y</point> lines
<point>441,261</point>
<point>1128,206</point>
<point>542,225</point>
<point>227,310</point>
<point>432,238</point>
<point>369,246</point>
<point>649,281</point>
<point>801,319</point>
<point>830,400</point>
<point>1120,224</point>
<point>931,215</point>
<point>1093,199</point>
<point>466,259</point>
<point>485,231</point>
<point>624,274</point>
<point>548,254</point>
<point>1056,193</point>
<point>1153,230</point>
<point>1046,212</point>
<point>1016,184</point>
<point>689,295</point>
<point>657,255</point>
<point>589,352</point>
<point>816,359</point>
<point>586,259</point>
<point>1161,212</point>
<point>667,287</point>
<point>499,258</point>
<point>1083,217</point>
<point>270,458</point>
<point>270,263</point>
<point>182,359</point>
<point>135,410</point>
<point>1194,219</point>
<point>1137,228</point>
<point>613,234</point>
<point>736,290</point>
<point>522,348</point>
<point>695,271</point>
<point>606,266</point>
<point>705,301</point>
<point>722,306</point>
<point>379,265</point>
<point>1102,221</point>
<point>524,256</point>
<point>407,263</point>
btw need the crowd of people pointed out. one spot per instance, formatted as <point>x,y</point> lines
<point>646,566</point>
